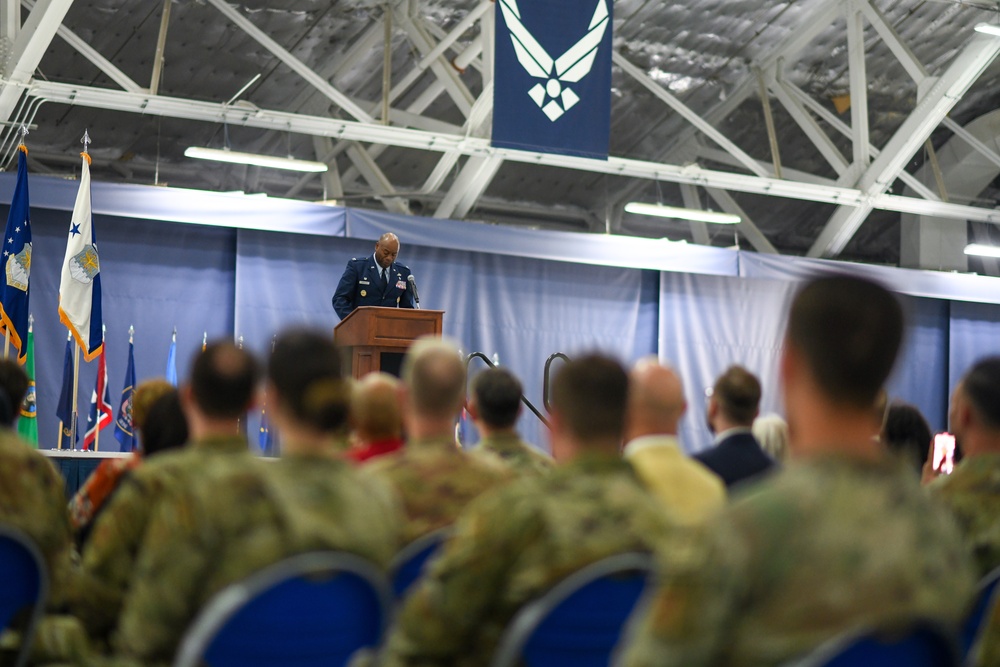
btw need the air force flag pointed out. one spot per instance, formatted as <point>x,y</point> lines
<point>80,285</point>
<point>552,85</point>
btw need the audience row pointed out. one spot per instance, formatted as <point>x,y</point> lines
<point>778,538</point>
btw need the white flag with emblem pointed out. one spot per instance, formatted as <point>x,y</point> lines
<point>80,284</point>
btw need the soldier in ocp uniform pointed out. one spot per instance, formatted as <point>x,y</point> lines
<point>378,280</point>
<point>972,491</point>
<point>843,539</point>
<point>247,514</point>
<point>514,543</point>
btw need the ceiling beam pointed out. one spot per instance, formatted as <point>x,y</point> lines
<point>10,21</point>
<point>799,37</point>
<point>296,65</point>
<point>858,75</point>
<point>432,56</point>
<point>973,142</point>
<point>964,70</point>
<point>248,115</point>
<point>33,40</point>
<point>891,38</point>
<point>746,226</point>
<point>442,69</point>
<point>692,200</point>
<point>375,178</point>
<point>469,186</point>
<point>842,128</point>
<point>90,53</point>
<point>704,126</point>
<point>820,139</point>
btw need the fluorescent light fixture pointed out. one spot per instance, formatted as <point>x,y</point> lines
<point>988,29</point>
<point>981,250</point>
<point>682,213</point>
<point>254,159</point>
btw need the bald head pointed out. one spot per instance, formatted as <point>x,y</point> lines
<point>375,411</point>
<point>434,375</point>
<point>386,249</point>
<point>656,400</point>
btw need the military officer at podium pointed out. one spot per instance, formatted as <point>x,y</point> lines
<point>375,281</point>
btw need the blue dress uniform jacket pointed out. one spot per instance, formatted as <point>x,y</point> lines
<point>361,285</point>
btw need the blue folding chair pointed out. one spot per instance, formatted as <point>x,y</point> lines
<point>24,586</point>
<point>919,644</point>
<point>579,622</point>
<point>312,609</point>
<point>409,563</point>
<point>979,617</point>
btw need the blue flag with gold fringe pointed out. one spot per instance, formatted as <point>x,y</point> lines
<point>17,263</point>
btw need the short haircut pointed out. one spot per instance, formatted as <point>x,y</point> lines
<point>146,393</point>
<point>981,386</point>
<point>434,375</point>
<point>737,392</point>
<point>13,388</point>
<point>497,393</point>
<point>848,331</point>
<point>223,380</point>
<point>907,433</point>
<point>590,393</point>
<point>375,408</point>
<point>164,426</point>
<point>305,368</point>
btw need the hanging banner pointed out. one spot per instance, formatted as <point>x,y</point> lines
<point>552,79</point>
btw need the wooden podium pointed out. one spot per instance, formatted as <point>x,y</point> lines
<point>371,331</point>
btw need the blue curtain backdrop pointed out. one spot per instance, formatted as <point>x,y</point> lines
<point>157,275</point>
<point>520,309</point>
<point>517,294</point>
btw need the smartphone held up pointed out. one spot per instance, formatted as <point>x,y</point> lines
<point>943,459</point>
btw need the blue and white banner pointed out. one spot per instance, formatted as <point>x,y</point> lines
<point>552,80</point>
<point>80,284</point>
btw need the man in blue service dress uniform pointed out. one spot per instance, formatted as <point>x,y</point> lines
<point>375,281</point>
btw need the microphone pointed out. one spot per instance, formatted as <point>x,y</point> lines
<point>413,286</point>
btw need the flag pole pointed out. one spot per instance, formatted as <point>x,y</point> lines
<point>97,433</point>
<point>76,387</point>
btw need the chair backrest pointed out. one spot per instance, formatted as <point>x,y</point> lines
<point>580,621</point>
<point>24,585</point>
<point>982,608</point>
<point>312,609</point>
<point>409,563</point>
<point>919,644</point>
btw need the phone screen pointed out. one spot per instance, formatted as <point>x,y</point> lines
<point>944,453</point>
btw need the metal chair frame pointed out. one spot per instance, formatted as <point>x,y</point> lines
<point>38,609</point>
<point>225,604</point>
<point>829,650</point>
<point>527,620</point>
<point>409,552</point>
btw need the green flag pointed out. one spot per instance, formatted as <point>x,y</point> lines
<point>27,425</point>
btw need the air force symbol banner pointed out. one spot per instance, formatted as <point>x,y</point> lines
<point>552,84</point>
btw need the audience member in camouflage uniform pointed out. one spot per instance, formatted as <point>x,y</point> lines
<point>221,390</point>
<point>33,502</point>
<point>246,514</point>
<point>841,541</point>
<point>495,405</point>
<point>433,478</point>
<point>972,491</point>
<point>516,542</point>
<point>691,492</point>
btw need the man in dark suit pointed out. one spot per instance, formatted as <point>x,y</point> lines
<point>375,281</point>
<point>732,406</point>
